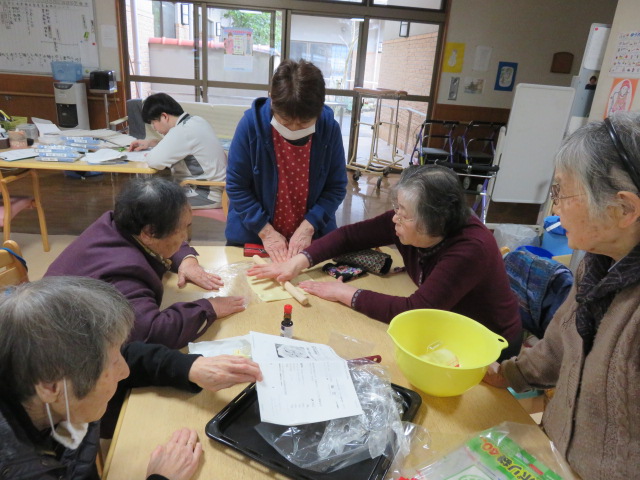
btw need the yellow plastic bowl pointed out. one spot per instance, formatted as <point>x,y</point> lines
<point>476,347</point>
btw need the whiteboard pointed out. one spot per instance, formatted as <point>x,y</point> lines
<point>536,126</point>
<point>34,33</point>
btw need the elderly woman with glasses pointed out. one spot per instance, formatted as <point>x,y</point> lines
<point>590,352</point>
<point>449,254</point>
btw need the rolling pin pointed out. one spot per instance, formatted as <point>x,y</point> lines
<point>295,292</point>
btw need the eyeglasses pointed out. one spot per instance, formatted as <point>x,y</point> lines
<point>401,219</point>
<point>555,194</point>
<point>629,165</point>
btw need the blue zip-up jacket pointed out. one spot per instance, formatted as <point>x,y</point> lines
<point>252,175</point>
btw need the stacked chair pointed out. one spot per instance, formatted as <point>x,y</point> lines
<point>471,154</point>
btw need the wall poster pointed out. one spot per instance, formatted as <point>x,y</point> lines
<point>621,95</point>
<point>238,49</point>
<point>626,58</point>
<point>453,57</point>
<point>473,85</point>
<point>506,76</point>
<point>453,88</point>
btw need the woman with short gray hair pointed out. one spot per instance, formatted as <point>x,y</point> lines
<point>449,254</point>
<point>61,361</point>
<point>590,352</point>
<point>132,248</point>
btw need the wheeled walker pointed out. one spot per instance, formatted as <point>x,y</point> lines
<point>375,164</point>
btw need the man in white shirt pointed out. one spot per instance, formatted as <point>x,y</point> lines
<point>190,148</point>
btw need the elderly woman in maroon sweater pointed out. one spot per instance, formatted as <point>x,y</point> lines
<point>450,255</point>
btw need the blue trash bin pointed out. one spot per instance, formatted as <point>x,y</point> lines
<point>541,252</point>
<point>555,240</point>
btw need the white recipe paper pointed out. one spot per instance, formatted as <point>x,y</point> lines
<point>303,382</point>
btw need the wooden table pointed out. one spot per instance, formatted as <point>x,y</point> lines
<point>79,166</point>
<point>152,414</point>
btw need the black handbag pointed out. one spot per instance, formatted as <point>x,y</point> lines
<point>372,261</point>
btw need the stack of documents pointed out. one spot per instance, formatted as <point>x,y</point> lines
<point>58,153</point>
<point>46,127</point>
<point>302,382</point>
<point>82,144</point>
<point>20,154</point>
<point>105,155</point>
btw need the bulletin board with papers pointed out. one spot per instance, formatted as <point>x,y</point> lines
<point>33,33</point>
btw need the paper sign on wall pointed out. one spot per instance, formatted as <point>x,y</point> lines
<point>482,58</point>
<point>473,85</point>
<point>626,58</point>
<point>453,57</point>
<point>238,49</point>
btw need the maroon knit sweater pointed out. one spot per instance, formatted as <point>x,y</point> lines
<point>465,274</point>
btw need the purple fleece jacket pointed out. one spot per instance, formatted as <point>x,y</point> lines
<point>466,275</point>
<point>104,253</point>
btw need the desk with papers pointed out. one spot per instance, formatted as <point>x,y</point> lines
<point>151,415</point>
<point>80,166</point>
<point>110,139</point>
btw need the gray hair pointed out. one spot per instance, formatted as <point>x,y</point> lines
<point>590,156</point>
<point>436,197</point>
<point>59,327</point>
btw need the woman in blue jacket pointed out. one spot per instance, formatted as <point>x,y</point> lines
<point>286,175</point>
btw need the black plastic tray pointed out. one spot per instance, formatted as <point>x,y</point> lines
<point>235,426</point>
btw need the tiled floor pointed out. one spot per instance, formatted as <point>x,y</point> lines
<point>71,205</point>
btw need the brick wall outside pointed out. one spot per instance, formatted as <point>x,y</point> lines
<point>407,64</point>
<point>145,31</point>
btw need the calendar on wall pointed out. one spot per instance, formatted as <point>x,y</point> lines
<point>33,33</point>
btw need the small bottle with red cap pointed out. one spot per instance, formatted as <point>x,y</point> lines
<point>286,327</point>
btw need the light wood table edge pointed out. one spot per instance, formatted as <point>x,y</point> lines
<point>116,433</point>
<point>79,166</point>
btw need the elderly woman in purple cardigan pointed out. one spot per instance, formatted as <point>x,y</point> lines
<point>449,254</point>
<point>133,247</point>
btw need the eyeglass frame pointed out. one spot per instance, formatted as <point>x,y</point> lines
<point>629,166</point>
<point>554,194</point>
<point>401,218</point>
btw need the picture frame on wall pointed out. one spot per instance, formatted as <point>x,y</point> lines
<point>453,88</point>
<point>473,85</point>
<point>506,76</point>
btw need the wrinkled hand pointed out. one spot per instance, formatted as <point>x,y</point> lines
<point>274,243</point>
<point>223,371</point>
<point>191,271</point>
<point>178,458</point>
<point>494,377</point>
<point>227,305</point>
<point>332,290</point>
<point>300,239</point>
<point>138,145</point>
<point>280,271</point>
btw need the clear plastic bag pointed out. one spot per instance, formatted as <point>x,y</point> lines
<point>508,451</point>
<point>329,446</point>
<point>513,236</point>
<point>234,276</point>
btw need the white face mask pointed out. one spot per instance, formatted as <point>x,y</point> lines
<point>66,433</point>
<point>292,135</point>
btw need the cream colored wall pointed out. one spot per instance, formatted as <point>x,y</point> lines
<point>525,32</point>
<point>105,15</point>
<point>627,19</point>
